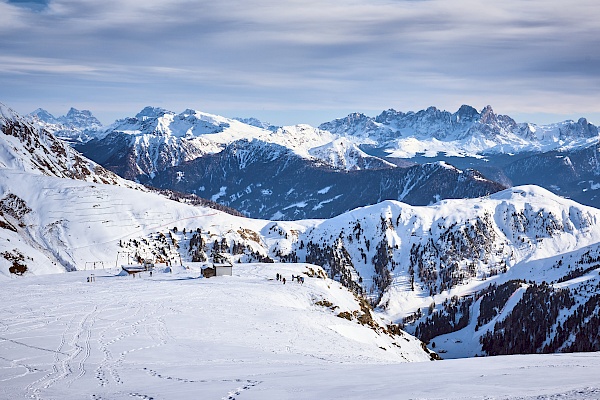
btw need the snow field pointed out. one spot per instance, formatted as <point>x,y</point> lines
<point>175,335</point>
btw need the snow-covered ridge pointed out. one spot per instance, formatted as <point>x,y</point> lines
<point>343,154</point>
<point>158,139</point>
<point>76,125</point>
<point>466,132</point>
<point>25,146</point>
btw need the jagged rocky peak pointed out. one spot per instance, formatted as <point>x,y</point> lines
<point>467,114</point>
<point>388,116</point>
<point>152,112</point>
<point>362,126</point>
<point>340,125</point>
<point>83,119</point>
<point>582,128</point>
<point>433,115</point>
<point>487,115</point>
<point>44,116</point>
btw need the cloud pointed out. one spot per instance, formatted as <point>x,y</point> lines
<point>342,54</point>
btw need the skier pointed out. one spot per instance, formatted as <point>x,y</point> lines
<point>284,281</point>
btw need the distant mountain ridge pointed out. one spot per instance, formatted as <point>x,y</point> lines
<point>30,148</point>
<point>466,132</point>
<point>76,126</point>
<point>158,143</point>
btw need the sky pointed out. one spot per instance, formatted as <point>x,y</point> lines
<point>292,61</point>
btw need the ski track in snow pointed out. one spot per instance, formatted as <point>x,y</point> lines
<point>247,384</point>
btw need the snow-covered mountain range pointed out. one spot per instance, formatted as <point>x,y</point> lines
<point>454,273</point>
<point>262,171</point>
<point>26,147</point>
<point>466,132</point>
<point>157,145</point>
<point>76,126</point>
<point>562,157</point>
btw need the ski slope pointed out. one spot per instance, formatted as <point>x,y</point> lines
<point>177,336</point>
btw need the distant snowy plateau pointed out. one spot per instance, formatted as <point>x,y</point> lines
<point>389,287</point>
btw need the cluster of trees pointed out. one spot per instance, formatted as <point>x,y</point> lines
<point>197,248</point>
<point>383,261</point>
<point>158,248</point>
<point>591,259</point>
<point>530,323</point>
<point>14,206</point>
<point>585,322</point>
<point>580,331</point>
<point>493,299</point>
<point>220,248</point>
<point>576,273</point>
<point>453,316</point>
<point>533,223</point>
<point>336,260</point>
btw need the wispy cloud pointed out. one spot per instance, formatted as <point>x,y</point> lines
<point>343,54</point>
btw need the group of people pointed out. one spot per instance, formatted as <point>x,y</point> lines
<point>298,278</point>
<point>91,278</point>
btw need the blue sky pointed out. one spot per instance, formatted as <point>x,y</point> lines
<point>306,61</point>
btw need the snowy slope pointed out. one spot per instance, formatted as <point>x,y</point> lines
<point>179,336</point>
<point>29,148</point>
<point>426,266</point>
<point>98,217</point>
<point>345,155</point>
<point>406,259</point>
<point>176,336</point>
<point>453,241</point>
